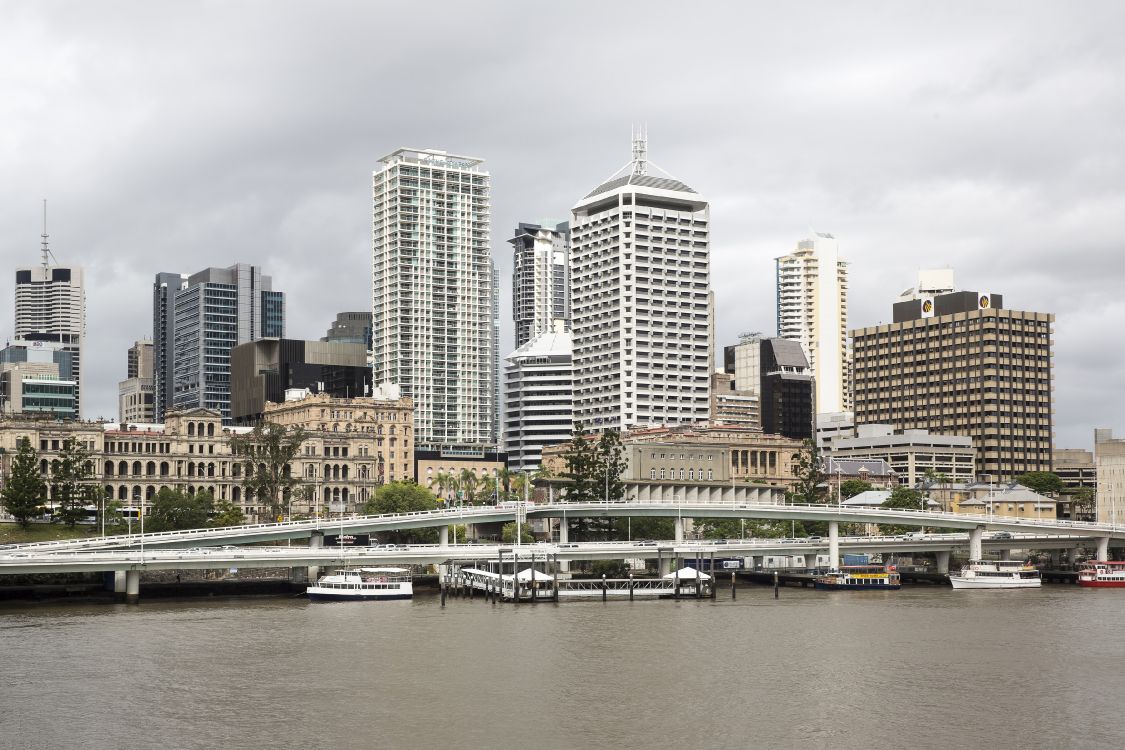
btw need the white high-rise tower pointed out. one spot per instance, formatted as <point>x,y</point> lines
<point>812,307</point>
<point>640,286</point>
<point>51,307</point>
<point>433,302</point>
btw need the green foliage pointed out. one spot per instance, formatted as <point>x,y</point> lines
<point>508,533</point>
<point>648,527</point>
<point>24,490</point>
<point>115,523</point>
<point>810,477</point>
<point>1043,482</point>
<point>852,487</point>
<point>1083,499</point>
<point>267,452</point>
<point>404,497</point>
<point>71,484</point>
<point>902,497</point>
<point>609,568</point>
<point>609,466</point>
<point>227,514</point>
<point>581,469</point>
<point>172,510</point>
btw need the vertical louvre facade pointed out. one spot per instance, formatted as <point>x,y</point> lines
<point>434,309</point>
<point>968,368</point>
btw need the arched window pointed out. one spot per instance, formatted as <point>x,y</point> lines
<point>344,472</point>
<point>236,494</point>
<point>191,469</point>
<point>109,468</point>
<point>210,470</point>
<point>123,468</point>
<point>163,468</point>
<point>150,469</point>
<point>191,429</point>
<point>136,468</point>
<point>122,493</point>
<point>136,493</point>
<point>43,466</point>
<point>211,430</point>
<point>149,492</point>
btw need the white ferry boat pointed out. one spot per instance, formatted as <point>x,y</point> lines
<point>997,574</point>
<point>359,584</point>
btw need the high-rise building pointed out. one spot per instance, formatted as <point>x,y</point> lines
<point>209,314</point>
<point>1109,459</point>
<point>263,370</point>
<point>135,395</point>
<point>164,290</point>
<point>51,308</point>
<point>961,364</point>
<point>640,284</point>
<point>36,377</point>
<point>540,279</point>
<point>730,406</point>
<point>787,390</point>
<point>434,297</point>
<point>812,308</point>
<point>538,398</point>
<point>350,328</point>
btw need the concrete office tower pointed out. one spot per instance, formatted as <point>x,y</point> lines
<point>1109,459</point>
<point>538,398</point>
<point>540,279</point>
<point>640,283</point>
<point>135,394</point>
<point>434,304</point>
<point>350,328</point>
<point>787,390</point>
<point>812,308</point>
<point>214,311</point>
<point>963,366</point>
<point>164,290</point>
<point>51,308</point>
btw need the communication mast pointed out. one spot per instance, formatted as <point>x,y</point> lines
<point>47,254</point>
<point>640,150</point>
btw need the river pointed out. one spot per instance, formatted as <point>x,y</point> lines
<point>925,667</point>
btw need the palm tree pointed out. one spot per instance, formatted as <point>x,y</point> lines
<point>444,482</point>
<point>469,482</point>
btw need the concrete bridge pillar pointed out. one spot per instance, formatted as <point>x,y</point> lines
<point>443,536</point>
<point>1005,554</point>
<point>942,562</point>
<point>132,586</point>
<point>1103,548</point>
<point>316,541</point>
<point>564,538</point>
<point>665,566</point>
<point>119,585</point>
<point>1072,555</point>
<point>833,545</point>
<point>976,537</point>
<point>1056,558</point>
<point>810,560</point>
<point>679,526</point>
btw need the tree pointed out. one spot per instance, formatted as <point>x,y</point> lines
<point>444,481</point>
<point>1083,498</point>
<point>267,452</point>
<point>905,498</point>
<point>24,491</point>
<point>810,476</point>
<point>852,487</point>
<point>404,497</point>
<point>467,486</point>
<point>172,510</point>
<point>609,466</point>
<point>649,527</point>
<point>1043,482</point>
<point>71,488</point>
<point>508,533</point>
<point>228,514</point>
<point>580,458</point>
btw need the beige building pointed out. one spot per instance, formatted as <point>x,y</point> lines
<point>911,453</point>
<point>1109,455</point>
<point>429,465</point>
<point>960,364</point>
<point>737,408</point>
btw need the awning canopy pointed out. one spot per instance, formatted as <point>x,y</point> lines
<point>687,573</point>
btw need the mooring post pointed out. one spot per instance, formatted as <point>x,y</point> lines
<point>443,592</point>
<point>775,584</point>
<point>676,584</point>
<point>555,572</point>
<point>714,576</point>
<point>515,577</point>
<point>733,592</point>
<point>603,587</point>
<point>630,585</point>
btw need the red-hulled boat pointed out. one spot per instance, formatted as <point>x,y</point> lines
<point>1102,574</point>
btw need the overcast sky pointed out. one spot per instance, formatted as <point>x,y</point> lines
<point>174,136</point>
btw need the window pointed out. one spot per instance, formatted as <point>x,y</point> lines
<point>652,473</point>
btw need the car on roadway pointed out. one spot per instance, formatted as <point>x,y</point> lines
<point>1001,535</point>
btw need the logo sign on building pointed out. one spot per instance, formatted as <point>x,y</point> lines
<point>350,540</point>
<point>927,307</point>
<point>984,301</point>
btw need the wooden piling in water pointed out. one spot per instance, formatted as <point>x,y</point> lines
<point>733,592</point>
<point>775,584</point>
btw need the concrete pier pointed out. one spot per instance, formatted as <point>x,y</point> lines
<point>564,538</point>
<point>679,526</point>
<point>443,536</point>
<point>942,559</point>
<point>976,546</point>
<point>119,585</point>
<point>1005,554</point>
<point>810,560</point>
<point>1103,548</point>
<point>1072,555</point>
<point>316,541</point>
<point>833,545</point>
<point>132,586</point>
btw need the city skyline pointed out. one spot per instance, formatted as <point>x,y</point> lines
<point>978,164</point>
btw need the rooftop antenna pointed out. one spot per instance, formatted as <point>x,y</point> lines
<point>46,250</point>
<point>640,150</point>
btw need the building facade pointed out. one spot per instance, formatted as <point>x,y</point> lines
<point>214,311</point>
<point>434,298</point>
<point>963,366</point>
<point>733,407</point>
<point>641,306</point>
<point>136,398</point>
<point>350,328</point>
<point>915,455</point>
<point>540,280</point>
<point>812,308</point>
<point>1109,456</point>
<point>164,290</point>
<point>263,371</point>
<point>50,306</point>
<point>538,398</point>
